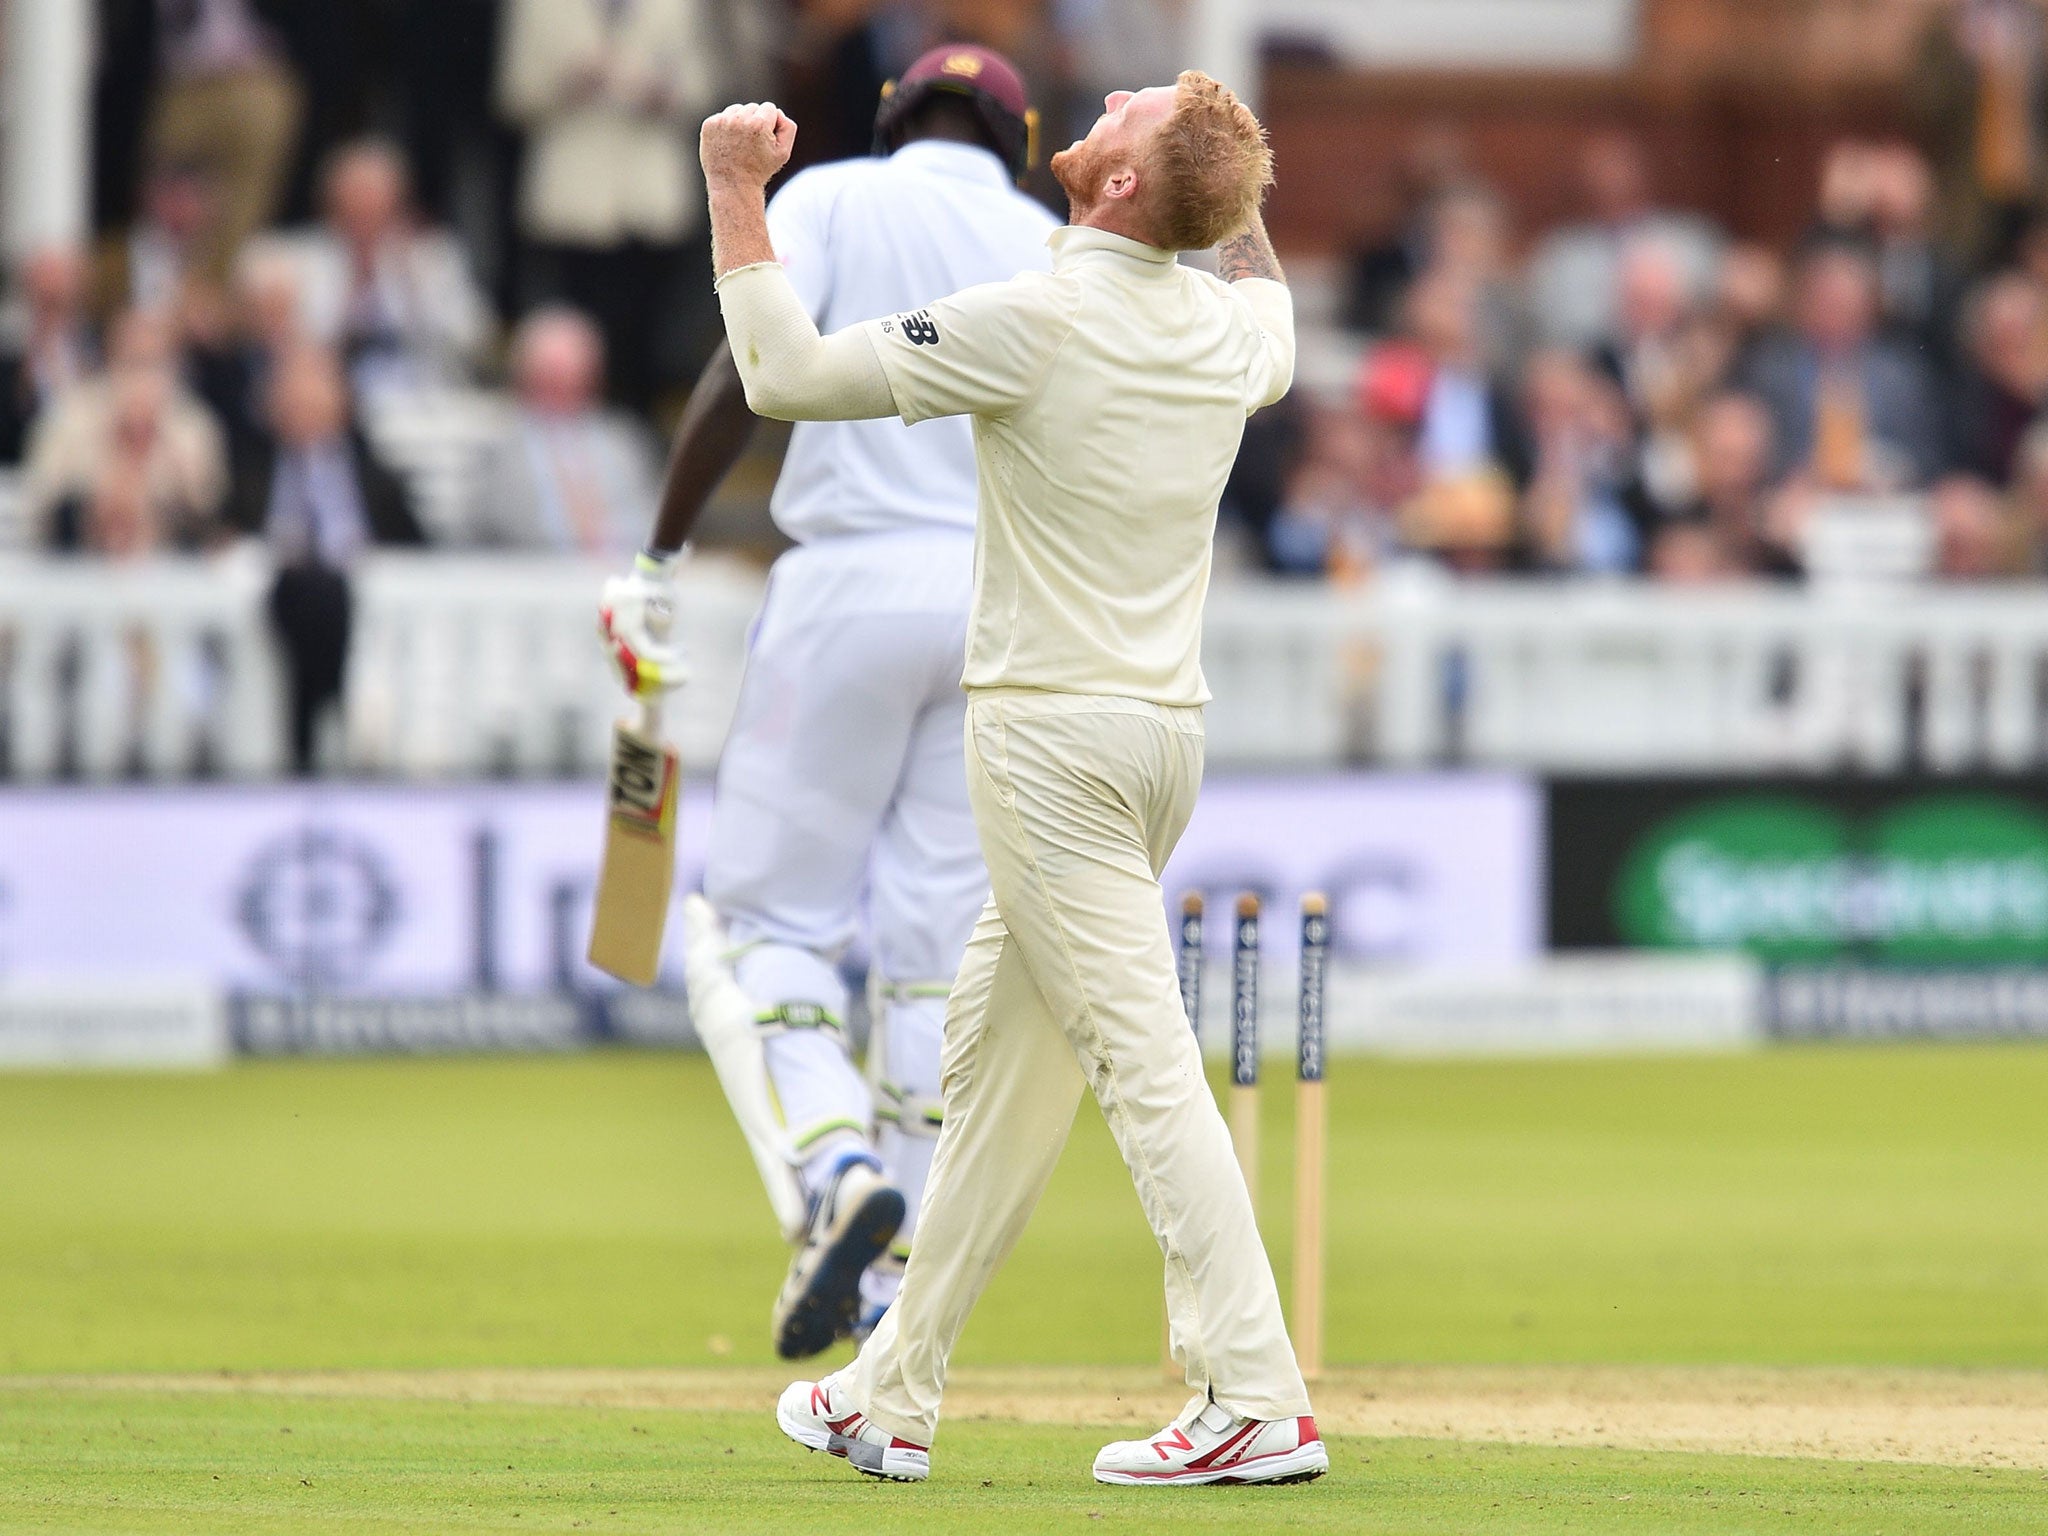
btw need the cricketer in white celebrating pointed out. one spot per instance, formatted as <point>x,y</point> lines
<point>843,776</point>
<point>1108,399</point>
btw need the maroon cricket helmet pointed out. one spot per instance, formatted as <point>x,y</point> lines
<point>985,80</point>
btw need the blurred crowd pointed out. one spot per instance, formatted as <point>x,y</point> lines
<point>1639,392</point>
<point>310,217</point>
<point>308,213</point>
<point>313,220</point>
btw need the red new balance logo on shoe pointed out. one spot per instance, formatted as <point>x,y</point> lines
<point>1166,1445</point>
<point>821,1404</point>
<point>1230,1450</point>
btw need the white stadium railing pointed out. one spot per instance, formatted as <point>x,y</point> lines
<point>1612,677</point>
<point>1639,678</point>
<point>494,666</point>
<point>460,667</point>
<point>467,666</point>
<point>143,670</point>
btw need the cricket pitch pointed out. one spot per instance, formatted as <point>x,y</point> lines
<point>1991,1419</point>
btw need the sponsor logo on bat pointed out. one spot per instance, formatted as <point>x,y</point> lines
<point>642,786</point>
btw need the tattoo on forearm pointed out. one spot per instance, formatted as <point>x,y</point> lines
<point>1248,255</point>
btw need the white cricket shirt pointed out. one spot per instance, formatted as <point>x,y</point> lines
<point>865,238</point>
<point>1108,401</point>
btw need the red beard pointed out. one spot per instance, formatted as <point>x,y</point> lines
<point>1080,171</point>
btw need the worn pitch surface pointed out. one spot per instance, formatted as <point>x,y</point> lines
<point>1949,1418</point>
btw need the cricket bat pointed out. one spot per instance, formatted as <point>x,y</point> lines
<point>639,850</point>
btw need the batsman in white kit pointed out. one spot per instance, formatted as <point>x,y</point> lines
<point>843,782</point>
<point>1108,399</point>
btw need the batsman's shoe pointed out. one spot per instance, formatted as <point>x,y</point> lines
<point>853,1221</point>
<point>871,1315</point>
<point>810,1415</point>
<point>1216,1446</point>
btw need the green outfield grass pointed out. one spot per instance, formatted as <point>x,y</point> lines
<point>235,1466</point>
<point>1859,1206</point>
<point>1848,1206</point>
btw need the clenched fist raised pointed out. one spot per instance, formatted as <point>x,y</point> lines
<point>744,146</point>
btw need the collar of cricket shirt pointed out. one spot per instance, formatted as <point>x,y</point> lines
<point>969,162</point>
<point>1075,242</point>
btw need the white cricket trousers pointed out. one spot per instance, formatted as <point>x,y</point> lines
<point>841,797</point>
<point>1068,983</point>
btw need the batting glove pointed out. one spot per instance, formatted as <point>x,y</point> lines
<point>636,614</point>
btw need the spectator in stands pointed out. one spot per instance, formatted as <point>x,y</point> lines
<point>1647,358</point>
<point>1971,539</point>
<point>202,319</point>
<point>1731,501</point>
<point>1920,282</point>
<point>564,473</point>
<point>268,304</point>
<point>313,489</point>
<point>610,97</point>
<point>1573,279</point>
<point>2004,379</point>
<point>397,300</point>
<point>170,242</point>
<point>1980,89</point>
<point>1883,194</point>
<point>317,496</point>
<point>125,462</point>
<point>1670,357</point>
<point>1583,510</point>
<point>1472,450</point>
<point>1466,523</point>
<point>1850,410</point>
<point>1468,236</point>
<point>227,103</point>
<point>1256,492</point>
<point>1650,303</point>
<point>1463,232</point>
<point>2027,507</point>
<point>1345,501</point>
<point>1748,302</point>
<point>1470,421</point>
<point>2031,255</point>
<point>231,341</point>
<point>46,346</point>
<point>1391,246</point>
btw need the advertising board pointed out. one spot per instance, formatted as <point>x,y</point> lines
<point>1906,906</point>
<point>1435,870</point>
<point>371,892</point>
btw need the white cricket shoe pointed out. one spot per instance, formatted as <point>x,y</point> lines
<point>1216,1446</point>
<point>811,1416</point>
<point>853,1220</point>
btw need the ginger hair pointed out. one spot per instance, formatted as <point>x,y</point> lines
<point>1210,166</point>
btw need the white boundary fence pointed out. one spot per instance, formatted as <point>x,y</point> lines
<point>469,666</point>
<point>494,667</point>
<point>460,667</point>
<point>145,670</point>
<point>1596,677</point>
